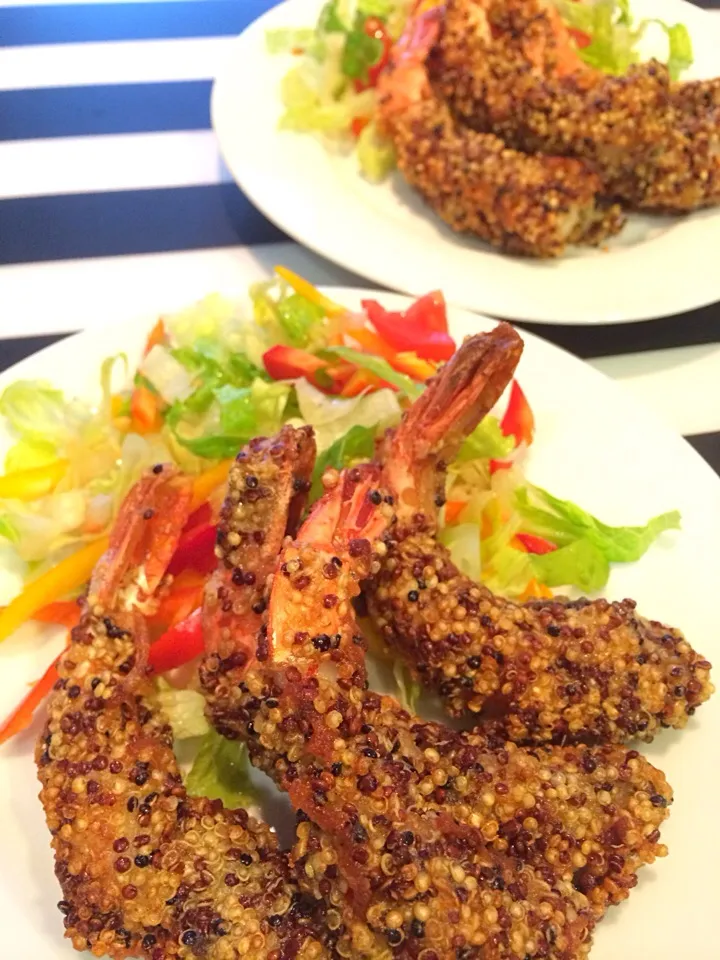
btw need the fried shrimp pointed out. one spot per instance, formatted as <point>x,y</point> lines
<point>511,68</point>
<point>145,870</point>
<point>411,823</point>
<point>524,204</point>
<point>548,671</point>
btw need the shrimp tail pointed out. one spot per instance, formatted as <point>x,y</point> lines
<point>433,429</point>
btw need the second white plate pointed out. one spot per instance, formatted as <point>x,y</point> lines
<point>656,267</point>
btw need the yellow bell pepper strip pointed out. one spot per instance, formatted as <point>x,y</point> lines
<point>68,575</point>
<point>74,571</point>
<point>33,483</point>
<point>305,289</point>
<point>21,717</point>
<point>205,483</point>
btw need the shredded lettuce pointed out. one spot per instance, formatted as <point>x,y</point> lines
<point>166,374</point>
<point>233,416</point>
<point>487,441</point>
<point>409,689</point>
<point>286,41</point>
<point>184,709</point>
<point>286,316</point>
<point>333,417</point>
<point>614,38</point>
<point>375,153</point>
<point>221,771</point>
<point>463,542</point>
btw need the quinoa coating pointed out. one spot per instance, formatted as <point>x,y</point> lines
<point>524,204</point>
<point>555,671</point>
<point>512,69</point>
<point>145,870</point>
<point>503,839</point>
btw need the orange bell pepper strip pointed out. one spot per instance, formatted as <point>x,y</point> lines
<point>145,411</point>
<point>63,612</point>
<point>156,337</point>
<point>67,576</point>
<point>414,366</point>
<point>305,289</point>
<point>179,603</point>
<point>21,717</point>
<point>204,484</point>
<point>453,509</point>
<point>536,590</point>
<point>32,483</point>
<point>360,382</point>
<point>371,342</point>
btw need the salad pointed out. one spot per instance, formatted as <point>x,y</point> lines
<point>331,91</point>
<point>210,379</point>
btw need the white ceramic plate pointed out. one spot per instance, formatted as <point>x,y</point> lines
<point>656,267</point>
<point>593,445</point>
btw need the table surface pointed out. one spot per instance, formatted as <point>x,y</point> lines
<point>113,197</point>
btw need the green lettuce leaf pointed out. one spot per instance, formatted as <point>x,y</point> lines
<point>288,317</point>
<point>581,564</point>
<point>221,771</point>
<point>357,444</point>
<point>564,522</point>
<point>361,51</point>
<point>486,442</point>
<point>409,689</point>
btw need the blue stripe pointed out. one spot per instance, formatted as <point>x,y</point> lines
<point>76,23</point>
<point>129,221</point>
<point>115,108</point>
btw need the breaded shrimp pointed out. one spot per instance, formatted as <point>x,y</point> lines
<point>511,68</point>
<point>145,870</point>
<point>548,671</point>
<point>386,787</point>
<point>521,203</point>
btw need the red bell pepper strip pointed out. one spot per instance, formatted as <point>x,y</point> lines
<point>21,717</point>
<point>518,421</point>
<point>178,604</point>
<point>179,645</point>
<point>289,363</point>
<point>533,544</point>
<point>64,612</point>
<point>358,124</point>
<point>406,336</point>
<point>195,551</point>
<point>429,312</point>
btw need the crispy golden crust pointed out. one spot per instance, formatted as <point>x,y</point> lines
<point>424,839</point>
<point>145,870</point>
<point>550,671</point>
<point>530,205</point>
<point>507,68</point>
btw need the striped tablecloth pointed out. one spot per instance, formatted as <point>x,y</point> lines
<point>113,198</point>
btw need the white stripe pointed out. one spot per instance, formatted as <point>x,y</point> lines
<point>681,385</point>
<point>130,161</point>
<point>75,294</point>
<point>122,61</point>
